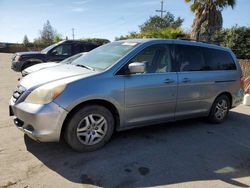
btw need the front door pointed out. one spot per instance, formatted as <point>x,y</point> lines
<point>60,52</point>
<point>151,96</point>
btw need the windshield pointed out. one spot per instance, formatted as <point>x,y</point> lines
<point>45,50</point>
<point>71,59</point>
<point>106,55</point>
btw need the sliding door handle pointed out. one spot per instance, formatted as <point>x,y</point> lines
<point>185,80</point>
<point>168,81</point>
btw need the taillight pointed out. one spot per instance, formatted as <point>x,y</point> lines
<point>246,84</point>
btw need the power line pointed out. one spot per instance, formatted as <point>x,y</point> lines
<point>162,9</point>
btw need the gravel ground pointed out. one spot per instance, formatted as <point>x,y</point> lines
<point>188,153</point>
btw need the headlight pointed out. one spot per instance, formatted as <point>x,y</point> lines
<point>16,58</point>
<point>45,94</point>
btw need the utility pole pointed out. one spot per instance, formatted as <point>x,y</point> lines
<point>73,33</point>
<point>162,9</point>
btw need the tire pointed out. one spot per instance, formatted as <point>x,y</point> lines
<point>89,128</point>
<point>219,110</point>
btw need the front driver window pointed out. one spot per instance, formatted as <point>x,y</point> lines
<point>156,58</point>
<point>62,50</point>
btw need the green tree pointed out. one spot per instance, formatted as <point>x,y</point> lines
<point>130,35</point>
<point>208,17</point>
<point>158,23</point>
<point>47,34</point>
<point>57,38</point>
<point>96,40</point>
<point>26,41</point>
<point>157,27</point>
<point>235,38</point>
<point>166,33</point>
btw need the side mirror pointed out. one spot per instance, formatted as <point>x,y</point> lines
<point>136,67</point>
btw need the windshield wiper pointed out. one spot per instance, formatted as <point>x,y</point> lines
<point>85,66</point>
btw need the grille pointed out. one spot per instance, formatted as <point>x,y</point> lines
<point>18,92</point>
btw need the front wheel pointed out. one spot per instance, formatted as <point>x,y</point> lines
<point>219,110</point>
<point>89,128</point>
<point>25,66</point>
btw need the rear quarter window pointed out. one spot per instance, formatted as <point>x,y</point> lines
<point>83,47</point>
<point>219,60</point>
<point>88,47</point>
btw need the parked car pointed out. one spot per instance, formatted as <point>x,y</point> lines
<point>55,53</point>
<point>41,66</point>
<point>127,84</point>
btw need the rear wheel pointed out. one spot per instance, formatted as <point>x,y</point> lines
<point>89,128</point>
<point>219,110</point>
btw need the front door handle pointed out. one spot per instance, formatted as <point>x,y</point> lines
<point>168,81</point>
<point>185,80</point>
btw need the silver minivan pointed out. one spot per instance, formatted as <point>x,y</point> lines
<point>126,84</point>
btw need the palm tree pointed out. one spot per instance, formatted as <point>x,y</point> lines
<point>208,17</point>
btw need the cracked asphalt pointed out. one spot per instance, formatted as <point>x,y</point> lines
<point>190,153</point>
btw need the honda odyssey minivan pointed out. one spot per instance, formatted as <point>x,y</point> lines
<point>126,84</point>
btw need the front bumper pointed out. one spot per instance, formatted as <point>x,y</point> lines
<point>17,65</point>
<point>40,122</point>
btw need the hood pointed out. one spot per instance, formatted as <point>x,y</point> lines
<point>55,73</point>
<point>40,66</point>
<point>27,53</point>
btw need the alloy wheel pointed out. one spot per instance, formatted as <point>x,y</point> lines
<point>92,129</point>
<point>221,109</point>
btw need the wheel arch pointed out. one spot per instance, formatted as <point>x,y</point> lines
<point>30,61</point>
<point>229,95</point>
<point>100,102</point>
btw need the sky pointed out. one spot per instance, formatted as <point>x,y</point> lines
<point>97,18</point>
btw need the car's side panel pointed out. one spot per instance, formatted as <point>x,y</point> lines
<point>105,88</point>
<point>150,97</point>
<point>199,83</point>
<point>197,96</point>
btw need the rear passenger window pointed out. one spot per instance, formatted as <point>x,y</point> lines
<point>190,58</point>
<point>88,47</point>
<point>219,60</point>
<point>84,47</point>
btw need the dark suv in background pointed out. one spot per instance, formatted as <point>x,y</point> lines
<point>56,52</point>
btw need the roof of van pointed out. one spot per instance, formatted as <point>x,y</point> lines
<point>177,41</point>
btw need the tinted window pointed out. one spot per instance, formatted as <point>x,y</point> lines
<point>84,47</point>
<point>64,49</point>
<point>77,48</point>
<point>45,50</point>
<point>190,58</point>
<point>88,47</point>
<point>219,60</point>
<point>157,59</point>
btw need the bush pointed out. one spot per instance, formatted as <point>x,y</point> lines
<point>236,38</point>
<point>245,66</point>
<point>166,33</point>
<point>96,40</point>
